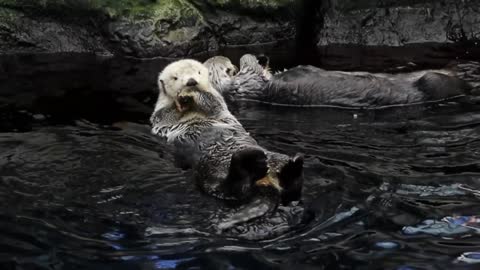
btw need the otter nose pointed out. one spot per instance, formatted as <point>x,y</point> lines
<point>191,82</point>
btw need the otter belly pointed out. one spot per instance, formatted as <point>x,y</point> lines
<point>257,198</point>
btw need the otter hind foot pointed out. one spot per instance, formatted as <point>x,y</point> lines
<point>291,179</point>
<point>246,167</point>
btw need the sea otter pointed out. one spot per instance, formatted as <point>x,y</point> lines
<point>312,86</point>
<point>221,69</point>
<point>227,162</point>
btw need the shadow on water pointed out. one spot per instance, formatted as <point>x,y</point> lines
<point>386,189</point>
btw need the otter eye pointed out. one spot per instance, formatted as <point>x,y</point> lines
<point>175,78</point>
<point>199,72</point>
<point>228,70</point>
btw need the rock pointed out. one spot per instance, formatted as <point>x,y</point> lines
<point>140,28</point>
<point>400,31</point>
<point>20,32</point>
<point>400,23</point>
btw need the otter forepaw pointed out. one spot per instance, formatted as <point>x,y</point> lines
<point>263,60</point>
<point>185,100</point>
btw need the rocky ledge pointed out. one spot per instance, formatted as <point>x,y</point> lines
<point>141,28</point>
<point>343,31</point>
<point>404,30</point>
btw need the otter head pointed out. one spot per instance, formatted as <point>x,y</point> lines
<point>179,76</point>
<point>220,71</point>
<point>258,65</point>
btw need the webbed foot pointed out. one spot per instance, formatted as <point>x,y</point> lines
<point>246,167</point>
<point>291,179</point>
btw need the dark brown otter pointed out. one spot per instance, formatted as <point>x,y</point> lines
<point>312,86</point>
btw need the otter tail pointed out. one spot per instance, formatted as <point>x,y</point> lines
<point>438,86</point>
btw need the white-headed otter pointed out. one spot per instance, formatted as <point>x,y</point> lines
<point>312,86</point>
<point>227,162</point>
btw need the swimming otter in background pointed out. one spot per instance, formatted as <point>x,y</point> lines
<point>220,70</point>
<point>312,86</point>
<point>227,162</point>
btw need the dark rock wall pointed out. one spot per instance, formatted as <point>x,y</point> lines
<point>405,30</point>
<point>178,28</point>
<point>405,22</point>
<point>141,28</point>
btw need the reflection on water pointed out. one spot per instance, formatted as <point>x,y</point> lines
<point>82,195</point>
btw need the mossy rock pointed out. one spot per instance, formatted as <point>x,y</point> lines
<point>253,3</point>
<point>145,8</point>
<point>112,8</point>
<point>146,28</point>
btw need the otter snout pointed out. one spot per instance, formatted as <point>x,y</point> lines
<point>192,82</point>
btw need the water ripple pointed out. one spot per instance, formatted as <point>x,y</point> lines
<point>84,195</point>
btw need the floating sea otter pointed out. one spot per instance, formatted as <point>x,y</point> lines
<point>227,162</point>
<point>312,86</point>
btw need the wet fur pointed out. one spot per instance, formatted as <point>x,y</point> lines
<point>227,162</point>
<point>307,85</point>
<point>312,86</point>
<point>220,69</point>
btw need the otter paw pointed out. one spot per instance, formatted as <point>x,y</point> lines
<point>185,101</point>
<point>263,60</point>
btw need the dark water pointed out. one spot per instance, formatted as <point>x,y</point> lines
<point>79,193</point>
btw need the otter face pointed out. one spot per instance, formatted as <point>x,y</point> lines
<point>182,75</point>
<point>256,65</point>
<point>221,64</point>
<point>248,60</point>
<point>220,71</point>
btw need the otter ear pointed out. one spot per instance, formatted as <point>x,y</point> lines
<point>161,86</point>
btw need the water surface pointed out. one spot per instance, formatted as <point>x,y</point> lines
<point>384,189</point>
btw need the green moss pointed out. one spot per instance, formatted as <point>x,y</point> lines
<point>6,17</point>
<point>260,9</point>
<point>146,8</point>
<point>113,8</point>
<point>173,10</point>
<point>253,3</point>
